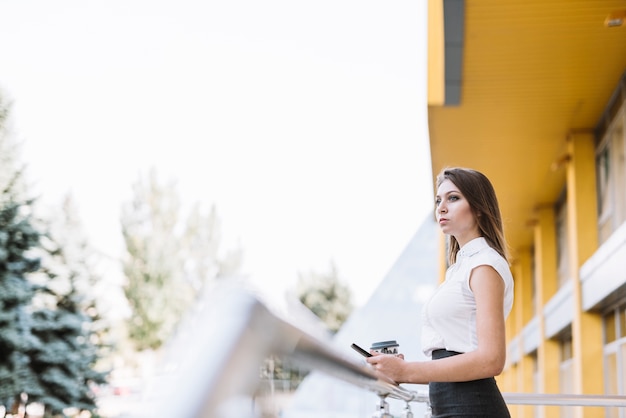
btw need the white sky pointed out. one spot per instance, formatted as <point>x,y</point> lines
<point>304,122</point>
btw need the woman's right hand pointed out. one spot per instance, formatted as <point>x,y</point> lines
<point>391,365</point>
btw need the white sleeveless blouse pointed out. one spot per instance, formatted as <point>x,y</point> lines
<point>449,317</point>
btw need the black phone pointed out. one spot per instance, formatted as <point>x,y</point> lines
<point>360,350</point>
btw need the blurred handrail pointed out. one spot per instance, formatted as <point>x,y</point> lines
<point>316,355</point>
<point>218,351</point>
<point>218,357</point>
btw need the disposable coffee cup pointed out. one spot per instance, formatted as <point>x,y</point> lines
<point>385,347</point>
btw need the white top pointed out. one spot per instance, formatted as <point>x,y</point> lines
<point>449,317</point>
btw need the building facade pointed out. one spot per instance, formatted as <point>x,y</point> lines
<point>533,94</point>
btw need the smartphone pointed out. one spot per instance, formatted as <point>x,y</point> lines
<point>360,350</point>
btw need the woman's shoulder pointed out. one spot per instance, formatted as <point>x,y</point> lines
<point>489,256</point>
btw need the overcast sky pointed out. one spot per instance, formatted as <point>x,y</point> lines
<point>304,122</point>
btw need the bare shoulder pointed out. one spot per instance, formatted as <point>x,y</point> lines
<point>485,278</point>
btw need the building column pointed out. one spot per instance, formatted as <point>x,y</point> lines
<point>524,313</point>
<point>507,381</point>
<point>583,242</point>
<point>511,386</point>
<point>548,359</point>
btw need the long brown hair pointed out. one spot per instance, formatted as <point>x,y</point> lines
<point>481,196</point>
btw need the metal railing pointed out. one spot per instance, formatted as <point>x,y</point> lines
<point>217,355</point>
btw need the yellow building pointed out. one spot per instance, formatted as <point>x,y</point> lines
<point>532,93</point>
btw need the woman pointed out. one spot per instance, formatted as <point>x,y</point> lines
<point>463,324</point>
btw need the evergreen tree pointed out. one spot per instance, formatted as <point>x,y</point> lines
<point>326,297</point>
<point>65,362</point>
<point>75,273</point>
<point>46,351</point>
<point>18,240</point>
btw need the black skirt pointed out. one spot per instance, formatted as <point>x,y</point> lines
<point>476,398</point>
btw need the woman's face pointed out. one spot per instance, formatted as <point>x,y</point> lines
<point>454,215</point>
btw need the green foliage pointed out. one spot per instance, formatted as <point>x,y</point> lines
<point>65,361</point>
<point>18,238</point>
<point>169,260</point>
<point>281,370</point>
<point>326,297</point>
<point>71,268</point>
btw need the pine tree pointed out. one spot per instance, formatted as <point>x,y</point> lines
<point>18,239</point>
<point>65,362</point>
<point>75,265</point>
<point>46,351</point>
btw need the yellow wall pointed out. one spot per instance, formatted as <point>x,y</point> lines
<point>436,59</point>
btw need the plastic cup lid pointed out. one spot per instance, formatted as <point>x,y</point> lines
<point>384,344</point>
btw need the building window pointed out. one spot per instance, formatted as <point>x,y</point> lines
<point>614,324</point>
<point>561,240</point>
<point>611,175</point>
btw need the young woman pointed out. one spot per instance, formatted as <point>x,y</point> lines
<point>463,324</point>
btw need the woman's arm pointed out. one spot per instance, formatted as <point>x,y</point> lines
<point>486,361</point>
